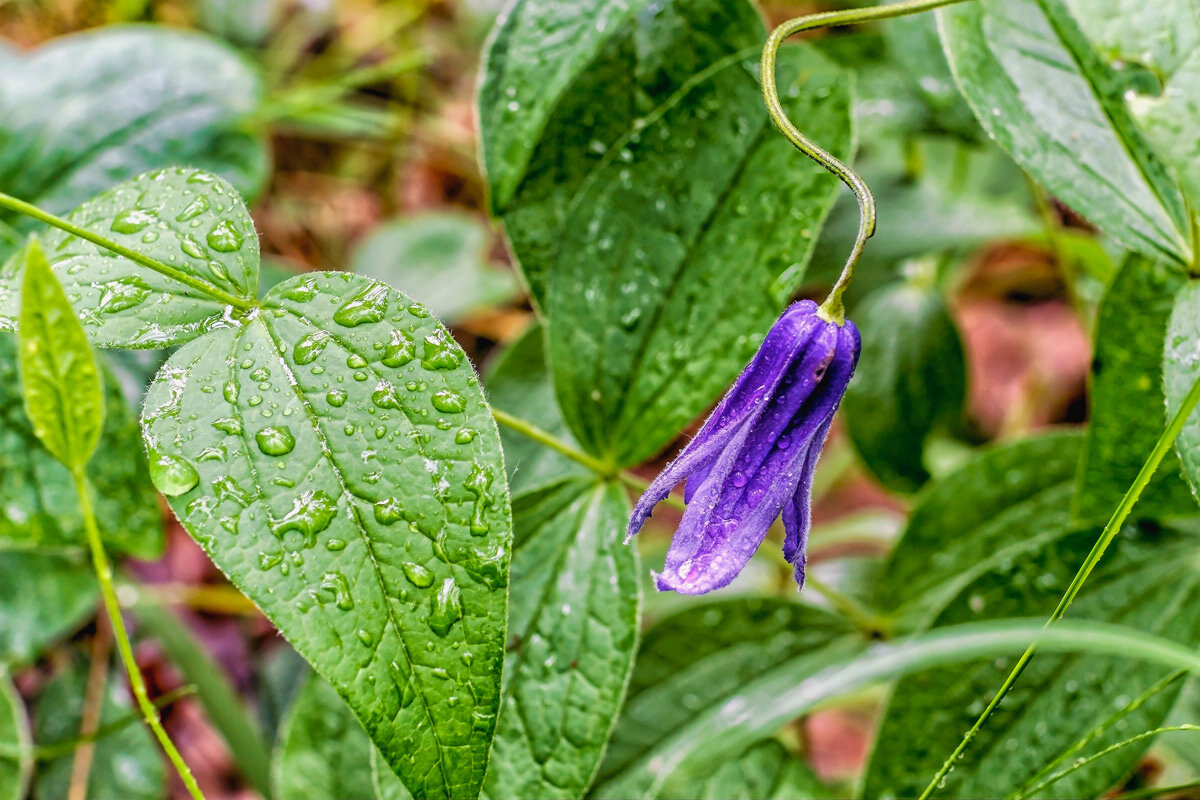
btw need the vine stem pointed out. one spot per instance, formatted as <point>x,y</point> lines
<point>108,591</point>
<point>30,210</point>
<point>1165,442</point>
<point>833,308</point>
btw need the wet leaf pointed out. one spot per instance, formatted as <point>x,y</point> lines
<point>1126,399</point>
<point>91,109</point>
<point>573,628</point>
<point>334,455</point>
<point>60,382</point>
<point>1045,96</point>
<point>662,231</point>
<point>1145,581</point>
<point>187,219</point>
<point>438,259</point>
<point>911,379</point>
<point>126,763</point>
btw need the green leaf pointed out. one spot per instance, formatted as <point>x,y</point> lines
<point>519,382</point>
<point>916,48</point>
<point>771,698</point>
<point>573,623</point>
<point>60,381</point>
<point>1006,501</point>
<point>699,661</point>
<point>333,454</point>
<point>1181,369</point>
<point>323,750</point>
<point>440,259</point>
<point>1047,98</point>
<point>911,379</point>
<point>190,220</point>
<point>1126,397</point>
<point>765,771</point>
<point>88,110</point>
<point>16,763</point>
<point>631,223</point>
<point>42,599</point>
<point>1146,582</point>
<point>37,492</point>
<point>1163,39</point>
<point>126,764</point>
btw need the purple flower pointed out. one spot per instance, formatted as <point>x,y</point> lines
<point>754,458</point>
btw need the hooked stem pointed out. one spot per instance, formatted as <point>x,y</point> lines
<point>832,310</point>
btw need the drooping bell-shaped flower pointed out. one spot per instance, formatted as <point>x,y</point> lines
<point>754,459</point>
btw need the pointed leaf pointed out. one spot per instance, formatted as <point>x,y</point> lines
<point>1126,398</point>
<point>573,624</point>
<point>334,455</point>
<point>1045,96</point>
<point>60,381</point>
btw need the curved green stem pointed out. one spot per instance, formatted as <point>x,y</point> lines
<point>1164,444</point>
<point>832,309</point>
<point>30,210</point>
<point>104,575</point>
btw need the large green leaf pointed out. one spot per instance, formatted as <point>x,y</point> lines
<point>1006,501</point>
<point>439,259</point>
<point>663,233</point>
<point>323,750</point>
<point>37,494</point>
<point>1147,581</point>
<point>911,379</point>
<point>60,382</point>
<point>765,771</point>
<point>573,623</point>
<point>1046,97</point>
<point>1164,38</point>
<point>1126,397</point>
<point>16,764</point>
<point>1181,369</point>
<point>519,382</point>
<point>42,598</point>
<point>126,763</point>
<point>334,455</point>
<point>699,661</point>
<point>186,219</point>
<point>88,110</point>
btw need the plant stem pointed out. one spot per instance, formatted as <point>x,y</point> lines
<point>1157,791</point>
<point>89,717</point>
<point>1165,442</point>
<point>105,576</point>
<point>832,309</point>
<point>1083,762</point>
<point>30,210</point>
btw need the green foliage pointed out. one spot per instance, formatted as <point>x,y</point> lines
<point>16,761</point>
<point>42,599</point>
<point>125,762</point>
<point>573,623</point>
<point>1181,369</point>
<point>911,380</point>
<point>1044,95</point>
<point>441,260</point>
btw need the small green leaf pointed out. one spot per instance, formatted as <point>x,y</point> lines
<point>42,599</point>
<point>323,750</point>
<point>1145,582</point>
<point>1046,97</point>
<point>765,771</point>
<point>355,490</point>
<point>911,379</point>
<point>59,377</point>
<point>88,110</point>
<point>37,493</point>
<point>630,223</point>
<point>16,763</point>
<point>1181,369</point>
<point>519,382</point>
<point>1006,501</point>
<point>573,624</point>
<point>439,259</point>
<point>191,221</point>
<point>126,764</point>
<point>1126,398</point>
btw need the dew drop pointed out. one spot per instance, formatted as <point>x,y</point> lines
<point>334,545</point>
<point>228,425</point>
<point>172,476</point>
<point>417,575</point>
<point>311,513</point>
<point>445,608</point>
<point>191,247</point>
<point>355,361</point>
<point>194,209</point>
<point>388,511</point>
<point>365,637</point>
<point>449,401</point>
<point>336,398</point>
<point>308,348</point>
<point>400,350</point>
<point>385,395</point>
<point>302,292</point>
<point>336,583</point>
<point>275,441</point>
<point>131,221</point>
<point>122,294</point>
<point>464,436</point>
<point>440,352</point>
<point>479,483</point>
<point>369,305</point>
<point>224,238</point>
